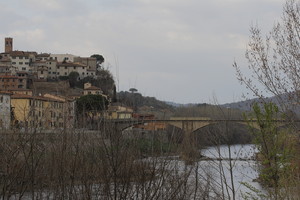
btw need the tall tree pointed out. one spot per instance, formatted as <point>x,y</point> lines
<point>73,78</point>
<point>100,59</point>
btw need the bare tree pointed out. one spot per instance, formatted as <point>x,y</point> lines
<point>274,59</point>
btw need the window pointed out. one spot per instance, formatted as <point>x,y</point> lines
<point>26,63</point>
<point>66,73</point>
<point>24,68</point>
<point>42,72</point>
<point>74,67</point>
<point>14,57</point>
<point>26,57</point>
<point>13,63</point>
<point>66,67</point>
<point>21,63</point>
<point>21,57</point>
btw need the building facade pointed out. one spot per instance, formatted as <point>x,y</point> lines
<point>8,45</point>
<point>5,111</point>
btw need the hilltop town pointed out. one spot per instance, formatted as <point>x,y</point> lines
<point>41,90</point>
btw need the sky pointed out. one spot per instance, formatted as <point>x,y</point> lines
<point>175,50</point>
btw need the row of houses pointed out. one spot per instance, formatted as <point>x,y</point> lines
<point>22,108</point>
<point>44,65</point>
<point>48,112</point>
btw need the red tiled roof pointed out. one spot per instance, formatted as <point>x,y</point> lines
<point>24,96</point>
<point>9,77</point>
<point>5,92</point>
<point>21,53</point>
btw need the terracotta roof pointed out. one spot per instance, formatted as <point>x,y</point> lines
<point>21,89</point>
<point>21,53</point>
<point>5,92</point>
<point>43,55</point>
<point>24,96</point>
<point>9,77</point>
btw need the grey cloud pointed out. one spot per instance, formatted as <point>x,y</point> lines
<point>167,48</point>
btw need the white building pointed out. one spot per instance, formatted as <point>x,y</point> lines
<point>21,60</point>
<point>62,57</point>
<point>64,69</point>
<point>5,112</point>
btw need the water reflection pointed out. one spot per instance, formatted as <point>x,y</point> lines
<point>228,175</point>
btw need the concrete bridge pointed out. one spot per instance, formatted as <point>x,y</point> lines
<point>190,124</point>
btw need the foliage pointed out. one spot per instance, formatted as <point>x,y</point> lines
<point>130,99</point>
<point>133,90</point>
<point>63,78</point>
<point>95,103</point>
<point>207,110</point>
<point>104,80</point>
<point>98,57</point>
<point>73,78</point>
<point>276,148</point>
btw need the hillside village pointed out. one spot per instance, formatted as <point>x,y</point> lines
<point>34,92</point>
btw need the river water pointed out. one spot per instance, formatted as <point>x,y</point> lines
<point>226,174</point>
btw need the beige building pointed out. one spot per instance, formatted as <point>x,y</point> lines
<point>117,111</point>
<point>69,106</point>
<point>42,72</point>
<point>52,68</point>
<point>41,112</point>
<point>88,61</point>
<point>64,69</point>
<point>21,60</point>
<point>89,89</point>
<point>62,57</point>
<point>9,82</point>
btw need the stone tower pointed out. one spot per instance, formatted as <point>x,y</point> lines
<point>8,45</point>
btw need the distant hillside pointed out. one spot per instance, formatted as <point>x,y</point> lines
<point>208,111</point>
<point>287,103</point>
<point>143,104</point>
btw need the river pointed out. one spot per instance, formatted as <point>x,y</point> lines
<point>243,168</point>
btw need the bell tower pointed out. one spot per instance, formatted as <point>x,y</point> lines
<point>8,45</point>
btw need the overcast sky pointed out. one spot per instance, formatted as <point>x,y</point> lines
<point>174,50</point>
